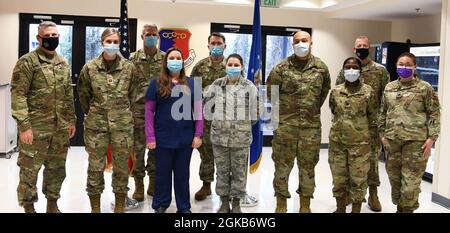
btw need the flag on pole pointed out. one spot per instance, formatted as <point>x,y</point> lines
<point>123,29</point>
<point>254,74</point>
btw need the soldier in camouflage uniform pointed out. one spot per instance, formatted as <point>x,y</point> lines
<point>409,124</point>
<point>376,76</point>
<point>355,116</point>
<point>208,70</point>
<point>234,100</point>
<point>304,83</point>
<point>107,88</point>
<point>148,62</point>
<point>42,105</point>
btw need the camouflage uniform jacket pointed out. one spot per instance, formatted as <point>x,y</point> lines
<point>107,96</point>
<point>42,93</point>
<point>147,69</point>
<point>354,114</point>
<point>373,74</point>
<point>234,112</point>
<point>208,71</point>
<point>302,92</point>
<point>409,111</point>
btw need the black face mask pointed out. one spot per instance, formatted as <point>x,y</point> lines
<point>362,53</point>
<point>50,43</point>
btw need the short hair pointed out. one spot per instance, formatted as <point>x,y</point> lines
<point>363,38</point>
<point>353,59</point>
<point>147,26</point>
<point>46,24</point>
<point>109,32</point>
<point>217,34</point>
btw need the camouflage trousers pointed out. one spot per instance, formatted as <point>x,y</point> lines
<point>405,166</point>
<point>96,145</point>
<point>206,171</point>
<point>50,150</point>
<point>349,165</point>
<point>140,145</point>
<point>290,143</point>
<point>231,166</point>
<point>375,150</point>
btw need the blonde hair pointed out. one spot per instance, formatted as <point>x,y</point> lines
<point>109,32</point>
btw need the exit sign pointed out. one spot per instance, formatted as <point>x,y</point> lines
<point>269,3</point>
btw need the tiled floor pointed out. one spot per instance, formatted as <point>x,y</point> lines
<point>74,198</point>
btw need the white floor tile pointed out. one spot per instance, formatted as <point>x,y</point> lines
<point>75,200</point>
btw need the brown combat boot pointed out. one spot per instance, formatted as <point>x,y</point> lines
<point>341,205</point>
<point>305,203</point>
<point>281,205</point>
<point>95,204</point>
<point>374,202</point>
<point>203,192</point>
<point>138,194</point>
<point>29,208</point>
<point>120,203</point>
<point>236,206</point>
<point>356,208</point>
<point>151,186</point>
<point>52,207</point>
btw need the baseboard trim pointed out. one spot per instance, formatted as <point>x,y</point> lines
<point>440,200</point>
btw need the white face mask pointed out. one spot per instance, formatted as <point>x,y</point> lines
<point>111,49</point>
<point>302,49</point>
<point>352,75</point>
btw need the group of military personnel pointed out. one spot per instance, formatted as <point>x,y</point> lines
<point>368,112</point>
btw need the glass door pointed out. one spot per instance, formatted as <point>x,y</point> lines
<point>276,45</point>
<point>65,40</point>
<point>79,43</point>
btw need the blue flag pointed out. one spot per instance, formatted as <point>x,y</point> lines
<point>123,29</point>
<point>254,74</point>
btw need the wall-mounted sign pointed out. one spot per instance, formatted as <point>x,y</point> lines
<point>178,38</point>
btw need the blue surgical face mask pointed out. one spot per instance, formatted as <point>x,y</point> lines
<point>151,41</point>
<point>174,66</point>
<point>234,72</point>
<point>111,49</point>
<point>216,51</point>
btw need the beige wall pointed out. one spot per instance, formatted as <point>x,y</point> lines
<point>333,38</point>
<point>420,30</point>
<point>441,176</point>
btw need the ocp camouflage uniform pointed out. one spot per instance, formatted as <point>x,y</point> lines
<point>147,68</point>
<point>107,97</point>
<point>235,111</point>
<point>376,76</point>
<point>354,116</point>
<point>409,115</point>
<point>302,92</point>
<point>208,71</point>
<point>42,100</point>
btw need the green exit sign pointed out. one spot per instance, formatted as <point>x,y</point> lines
<point>269,3</point>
